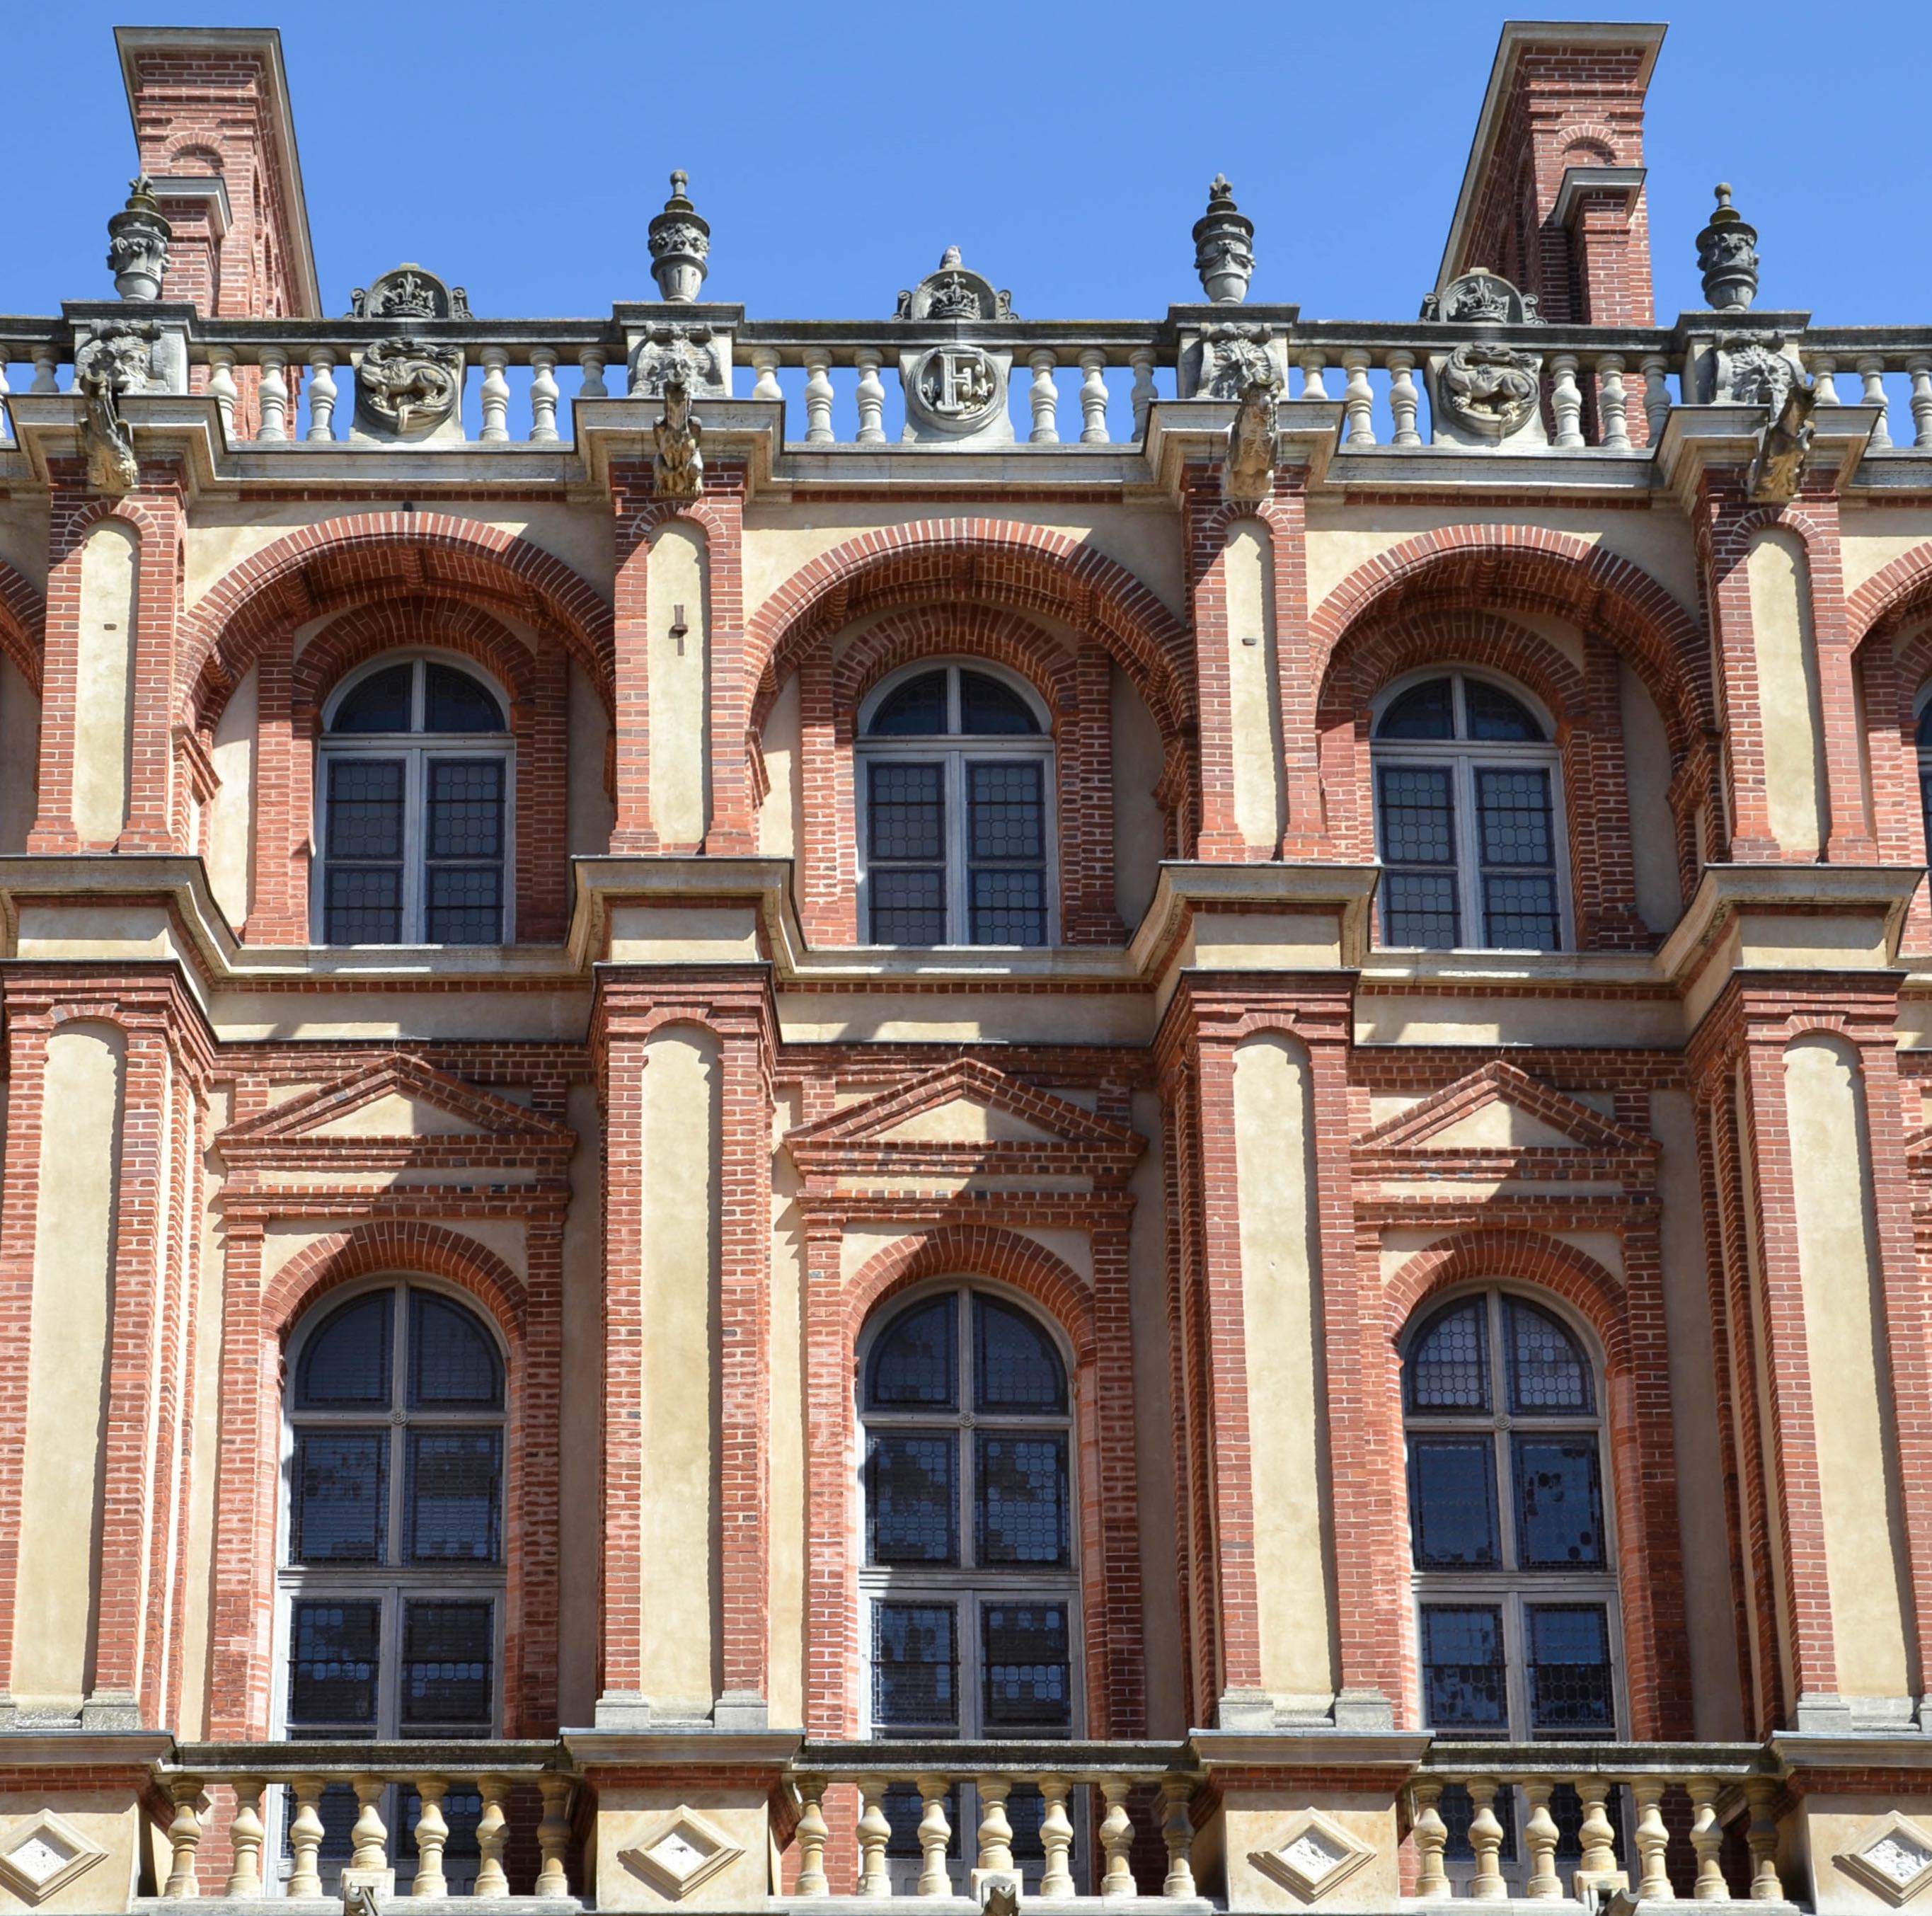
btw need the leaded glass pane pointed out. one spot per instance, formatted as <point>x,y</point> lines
<point>907,813</point>
<point>908,907</point>
<point>1452,1490</point>
<point>1449,1368</point>
<point>466,808</point>
<point>345,1365</point>
<point>449,1651</point>
<point>1420,910</point>
<point>363,904</point>
<point>916,709</point>
<point>987,706</point>
<point>333,1655</point>
<point>1495,716</point>
<point>1007,818</point>
<point>1519,912</point>
<point>1570,1693</point>
<point>1015,1364</point>
<point>340,1507</point>
<point>1548,1372</point>
<point>915,1361</point>
<point>1559,1503</point>
<point>915,1667</point>
<point>365,808</point>
<point>453,1359</point>
<point>1462,1681</point>
<point>1418,814</point>
<point>454,701</point>
<point>912,1497</point>
<point>455,1486</point>
<point>1008,907</point>
<point>1027,1677</point>
<point>1020,1516</point>
<point>464,905</point>
<point>1423,711</point>
<point>1516,832</point>
<point>380,704</point>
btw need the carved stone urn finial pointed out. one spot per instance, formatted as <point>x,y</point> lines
<point>137,243</point>
<point>1224,253</point>
<point>1727,256</point>
<point>680,242</point>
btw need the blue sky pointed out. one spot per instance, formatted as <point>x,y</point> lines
<point>519,151</point>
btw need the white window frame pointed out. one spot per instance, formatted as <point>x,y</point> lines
<point>1511,1589</point>
<point>393,1583</point>
<point>1463,755</point>
<point>416,748</point>
<point>955,751</point>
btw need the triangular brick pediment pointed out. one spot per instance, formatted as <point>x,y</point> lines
<point>399,1102</point>
<point>1499,1114</point>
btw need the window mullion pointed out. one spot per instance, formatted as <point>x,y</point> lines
<point>415,845</point>
<point>958,843</point>
<point>1469,851</point>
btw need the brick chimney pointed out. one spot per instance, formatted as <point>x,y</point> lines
<point>213,127</point>
<point>1553,198</point>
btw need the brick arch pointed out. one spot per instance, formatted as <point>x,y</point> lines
<point>342,563</point>
<point>1508,568</point>
<point>1586,703</point>
<point>1894,596</point>
<point>1892,662</point>
<point>400,1249</point>
<point>1626,1317</point>
<point>23,625</point>
<point>939,632</point>
<point>980,561</point>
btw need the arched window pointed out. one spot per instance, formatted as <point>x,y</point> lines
<point>1509,1521</point>
<point>1468,802</point>
<point>968,1577</point>
<point>413,801</point>
<point>956,779</point>
<point>1925,743</point>
<point>393,1550</point>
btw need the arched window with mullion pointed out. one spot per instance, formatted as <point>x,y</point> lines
<point>1469,812</point>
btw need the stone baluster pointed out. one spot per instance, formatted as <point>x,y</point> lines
<point>553,1833</point>
<point>1871,370</point>
<point>875,1831</point>
<point>493,1836</point>
<point>1707,1839</point>
<point>1761,1836</point>
<point>1432,1838</point>
<point>1056,1838</point>
<point>1485,1839</point>
<point>1656,393</point>
<point>1142,359</point>
<point>1402,399</point>
<point>996,1833</point>
<point>934,1833</point>
<point>432,1835</point>
<point>871,396</point>
<point>1652,1839</point>
<point>543,396</point>
<point>6,417</point>
<point>496,394</point>
<point>46,369</point>
<point>1920,367</point>
<point>1824,378</point>
<point>1539,1837</point>
<point>305,1836</point>
<point>1044,398</point>
<point>812,1837</point>
<point>1094,397</point>
<point>369,1840</point>
<point>244,1839</point>
<point>184,1836</point>
<point>817,396</point>
<point>1176,1831</point>
<point>1117,1839</point>
<point>1597,1836</point>
<point>1566,399</point>
<point>321,393</point>
<point>1313,366</point>
<point>765,365</point>
<point>221,386</point>
<point>273,393</point>
<point>1358,398</point>
<point>590,362</point>
<point>1613,402</point>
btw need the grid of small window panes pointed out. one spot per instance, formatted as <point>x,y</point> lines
<point>395,1546</point>
<point>1466,829</point>
<point>1508,1522</point>
<point>415,838</point>
<point>956,829</point>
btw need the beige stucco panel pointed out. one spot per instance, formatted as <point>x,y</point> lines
<point>1254,1823</point>
<point>1831,1829</point>
<point>1788,708</point>
<point>589,811</point>
<point>108,1817</point>
<point>778,816</point>
<point>231,827</point>
<point>1499,1125</point>
<point>1870,539</point>
<point>1647,768</point>
<point>629,1816</point>
<point>1139,830</point>
<point>104,699</point>
<point>564,1014</point>
<point>395,1114</point>
<point>679,668</point>
<point>283,1239</point>
<point>966,1121</point>
<point>1019,1018</point>
<point>1273,1145</point>
<point>1837,1239</point>
<point>67,1366</point>
<point>1559,1019</point>
<point>1254,720</point>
